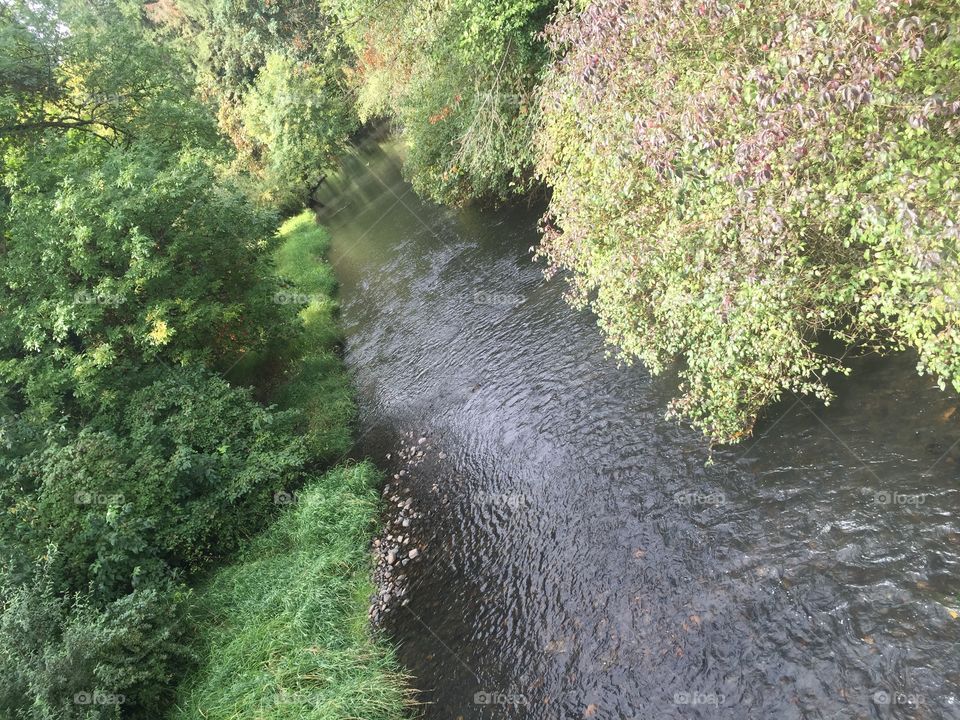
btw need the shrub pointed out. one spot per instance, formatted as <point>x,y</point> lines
<point>734,183</point>
<point>68,657</point>
<point>183,476</point>
<point>118,259</point>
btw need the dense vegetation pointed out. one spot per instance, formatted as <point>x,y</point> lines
<point>142,292</point>
<point>735,189</point>
<point>734,184</point>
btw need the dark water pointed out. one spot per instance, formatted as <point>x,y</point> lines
<point>581,560</point>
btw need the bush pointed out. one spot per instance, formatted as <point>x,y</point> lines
<point>183,476</point>
<point>119,261</point>
<point>735,183</point>
<point>69,657</point>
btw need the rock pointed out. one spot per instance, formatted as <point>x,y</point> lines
<point>406,522</point>
<point>391,558</point>
<point>413,553</point>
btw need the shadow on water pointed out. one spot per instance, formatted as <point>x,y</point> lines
<point>581,560</point>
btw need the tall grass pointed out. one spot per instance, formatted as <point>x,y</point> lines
<point>317,381</point>
<point>284,632</point>
<point>305,371</point>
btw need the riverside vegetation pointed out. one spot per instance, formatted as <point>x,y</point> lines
<point>743,192</point>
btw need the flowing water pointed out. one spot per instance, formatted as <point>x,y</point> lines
<point>580,557</point>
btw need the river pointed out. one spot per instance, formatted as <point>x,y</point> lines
<point>580,557</point>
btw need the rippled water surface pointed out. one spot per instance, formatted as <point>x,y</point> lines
<point>581,559</point>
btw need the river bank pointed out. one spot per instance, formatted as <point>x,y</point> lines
<point>282,630</point>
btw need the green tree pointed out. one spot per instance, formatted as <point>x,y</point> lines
<point>734,185</point>
<point>459,79</point>
<point>274,71</point>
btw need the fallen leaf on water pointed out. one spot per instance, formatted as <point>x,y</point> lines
<point>954,614</point>
<point>590,711</point>
<point>868,640</point>
<point>948,414</point>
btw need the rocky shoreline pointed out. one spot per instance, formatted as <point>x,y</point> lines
<point>395,548</point>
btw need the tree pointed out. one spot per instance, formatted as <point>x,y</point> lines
<point>459,80</point>
<point>734,184</point>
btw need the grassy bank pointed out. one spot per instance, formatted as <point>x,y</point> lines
<point>282,632</point>
<point>316,382</point>
<point>304,371</point>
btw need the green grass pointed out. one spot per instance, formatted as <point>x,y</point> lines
<point>307,372</point>
<point>302,256</point>
<point>284,630</point>
<point>317,382</point>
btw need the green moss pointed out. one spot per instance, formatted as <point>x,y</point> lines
<point>284,631</point>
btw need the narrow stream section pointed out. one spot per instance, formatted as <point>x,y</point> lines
<point>577,556</point>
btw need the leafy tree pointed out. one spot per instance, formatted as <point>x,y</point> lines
<point>274,70</point>
<point>117,258</point>
<point>459,79</point>
<point>732,184</point>
<point>91,68</point>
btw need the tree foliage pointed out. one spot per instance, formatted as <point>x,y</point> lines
<point>734,183</point>
<point>459,80</point>
<point>275,72</point>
